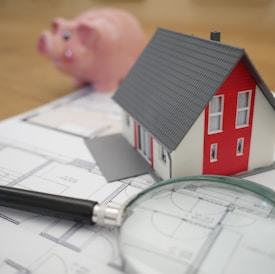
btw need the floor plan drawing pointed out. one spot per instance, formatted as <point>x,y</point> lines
<point>50,159</point>
<point>23,168</point>
<point>44,150</point>
<point>73,116</point>
<point>202,229</point>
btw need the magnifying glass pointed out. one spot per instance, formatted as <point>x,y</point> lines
<point>198,224</point>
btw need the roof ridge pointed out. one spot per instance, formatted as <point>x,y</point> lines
<point>200,38</point>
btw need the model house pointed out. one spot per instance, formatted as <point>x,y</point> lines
<point>197,106</point>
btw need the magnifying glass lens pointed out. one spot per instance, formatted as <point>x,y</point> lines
<point>199,226</point>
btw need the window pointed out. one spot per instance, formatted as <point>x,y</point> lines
<point>162,153</point>
<point>214,153</point>
<point>240,146</point>
<point>215,114</point>
<point>243,107</point>
<point>127,119</point>
<point>144,143</point>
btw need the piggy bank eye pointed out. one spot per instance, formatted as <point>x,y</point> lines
<point>67,35</point>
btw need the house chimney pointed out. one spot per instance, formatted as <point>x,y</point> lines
<point>215,36</point>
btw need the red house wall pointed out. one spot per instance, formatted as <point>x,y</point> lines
<point>227,160</point>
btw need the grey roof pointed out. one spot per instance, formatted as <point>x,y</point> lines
<point>173,81</point>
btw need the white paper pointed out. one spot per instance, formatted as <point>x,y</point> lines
<point>44,150</point>
<point>37,153</point>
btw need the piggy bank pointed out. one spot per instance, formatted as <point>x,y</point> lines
<point>98,47</point>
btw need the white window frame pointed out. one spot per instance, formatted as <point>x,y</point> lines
<point>216,115</point>
<point>213,149</point>
<point>127,120</point>
<point>240,142</point>
<point>162,154</point>
<point>144,142</point>
<point>243,110</point>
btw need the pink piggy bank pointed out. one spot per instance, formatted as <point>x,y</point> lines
<point>97,47</point>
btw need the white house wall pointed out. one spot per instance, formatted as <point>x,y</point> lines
<point>263,133</point>
<point>187,159</point>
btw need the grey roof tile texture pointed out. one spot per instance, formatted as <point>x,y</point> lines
<point>173,81</point>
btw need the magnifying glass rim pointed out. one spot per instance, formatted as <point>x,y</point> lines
<point>263,191</point>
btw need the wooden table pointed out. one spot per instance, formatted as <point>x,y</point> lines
<point>28,80</point>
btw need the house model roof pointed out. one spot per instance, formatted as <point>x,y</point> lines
<point>173,81</point>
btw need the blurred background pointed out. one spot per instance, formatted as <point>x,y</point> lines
<point>28,80</point>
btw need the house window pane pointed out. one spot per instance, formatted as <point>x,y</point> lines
<point>146,148</point>
<point>243,108</point>
<point>215,104</point>
<point>240,146</point>
<point>243,99</point>
<point>127,119</point>
<point>144,142</point>
<point>213,152</point>
<point>162,153</point>
<point>139,138</point>
<point>215,114</point>
<point>215,123</point>
<point>242,118</point>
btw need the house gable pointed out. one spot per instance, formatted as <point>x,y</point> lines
<point>221,155</point>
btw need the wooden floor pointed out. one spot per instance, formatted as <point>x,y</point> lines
<point>28,80</point>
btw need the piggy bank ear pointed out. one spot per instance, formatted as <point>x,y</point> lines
<point>87,34</point>
<point>57,23</point>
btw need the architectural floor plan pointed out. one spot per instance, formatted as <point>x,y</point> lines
<point>44,150</point>
<point>86,114</point>
<point>37,153</point>
<point>201,227</point>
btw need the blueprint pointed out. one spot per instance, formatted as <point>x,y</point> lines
<point>86,114</point>
<point>44,150</point>
<point>202,228</point>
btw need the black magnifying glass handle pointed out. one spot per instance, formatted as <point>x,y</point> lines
<point>68,208</point>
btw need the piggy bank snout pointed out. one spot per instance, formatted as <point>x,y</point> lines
<point>43,43</point>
